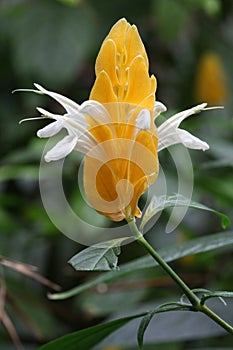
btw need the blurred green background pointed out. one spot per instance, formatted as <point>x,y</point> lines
<point>55,43</point>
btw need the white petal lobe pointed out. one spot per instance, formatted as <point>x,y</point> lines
<point>190,141</point>
<point>170,134</point>
<point>96,111</point>
<point>159,107</point>
<point>50,130</point>
<point>62,148</point>
<point>143,120</point>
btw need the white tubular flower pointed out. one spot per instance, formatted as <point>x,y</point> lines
<point>170,134</point>
<point>80,139</point>
<point>74,121</point>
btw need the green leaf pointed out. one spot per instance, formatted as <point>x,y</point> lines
<point>174,252</point>
<point>158,204</point>
<point>101,257</point>
<point>217,294</point>
<point>89,337</point>
<point>172,306</point>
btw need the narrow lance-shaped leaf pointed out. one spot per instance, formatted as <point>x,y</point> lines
<point>158,204</point>
<point>174,252</point>
<point>102,256</point>
<point>87,338</point>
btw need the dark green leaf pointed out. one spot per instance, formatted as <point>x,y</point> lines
<point>158,204</point>
<point>89,337</point>
<point>172,306</point>
<point>101,257</point>
<point>172,253</point>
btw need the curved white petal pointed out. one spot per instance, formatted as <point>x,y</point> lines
<point>77,120</point>
<point>184,137</point>
<point>191,141</point>
<point>169,133</point>
<point>50,130</point>
<point>48,114</point>
<point>69,105</point>
<point>87,147</point>
<point>62,148</point>
<point>75,123</point>
<point>96,111</point>
<point>143,120</point>
<point>159,107</point>
<point>175,120</point>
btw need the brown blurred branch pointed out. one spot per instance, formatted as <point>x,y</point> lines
<point>4,318</point>
<point>28,270</point>
<point>162,281</point>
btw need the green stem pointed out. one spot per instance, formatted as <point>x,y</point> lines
<point>194,300</point>
<point>140,238</point>
<point>216,318</point>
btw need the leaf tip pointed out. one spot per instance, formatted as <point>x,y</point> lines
<point>226,222</point>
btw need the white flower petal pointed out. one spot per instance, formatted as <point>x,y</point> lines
<point>175,120</point>
<point>143,120</point>
<point>96,111</point>
<point>191,141</point>
<point>169,133</point>
<point>75,123</point>
<point>69,105</point>
<point>159,107</point>
<point>62,148</point>
<point>48,114</point>
<point>84,146</point>
<point>167,140</point>
<point>50,130</point>
<point>78,120</point>
<point>184,137</point>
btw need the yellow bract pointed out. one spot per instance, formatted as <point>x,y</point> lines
<point>122,69</point>
<point>127,150</point>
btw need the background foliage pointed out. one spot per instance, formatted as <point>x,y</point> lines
<point>54,43</point>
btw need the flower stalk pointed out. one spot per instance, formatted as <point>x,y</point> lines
<point>195,301</point>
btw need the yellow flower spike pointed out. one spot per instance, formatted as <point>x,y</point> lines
<point>124,87</point>
<point>210,85</point>
<point>115,128</point>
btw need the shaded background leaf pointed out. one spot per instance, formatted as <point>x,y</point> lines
<point>87,338</point>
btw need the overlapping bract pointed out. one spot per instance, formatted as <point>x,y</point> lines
<point>123,82</point>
